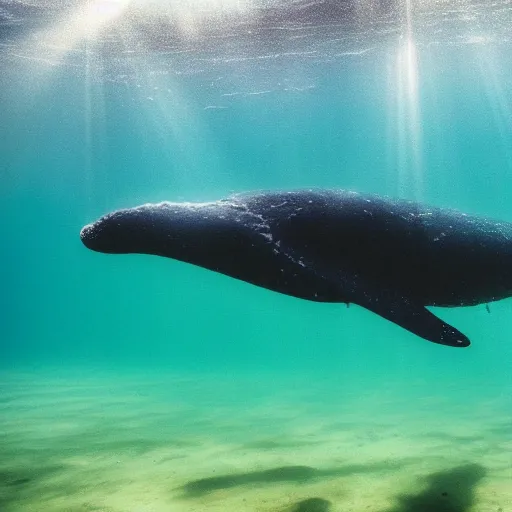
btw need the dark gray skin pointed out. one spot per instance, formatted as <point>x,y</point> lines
<point>392,257</point>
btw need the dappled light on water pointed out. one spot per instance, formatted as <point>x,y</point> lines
<point>186,65</point>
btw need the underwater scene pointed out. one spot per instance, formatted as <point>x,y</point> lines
<point>272,362</point>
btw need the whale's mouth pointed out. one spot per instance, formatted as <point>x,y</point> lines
<point>86,232</point>
<point>88,235</point>
<point>120,232</point>
<point>103,236</point>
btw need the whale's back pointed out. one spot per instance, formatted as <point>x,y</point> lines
<point>439,256</point>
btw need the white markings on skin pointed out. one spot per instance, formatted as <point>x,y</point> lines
<point>261,226</point>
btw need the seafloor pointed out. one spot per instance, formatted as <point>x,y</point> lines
<point>108,441</point>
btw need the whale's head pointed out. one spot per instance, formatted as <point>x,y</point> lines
<point>144,229</point>
<point>122,231</point>
<point>167,229</point>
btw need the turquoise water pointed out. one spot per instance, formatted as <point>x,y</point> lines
<point>135,383</point>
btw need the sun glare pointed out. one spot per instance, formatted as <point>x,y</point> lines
<point>99,13</point>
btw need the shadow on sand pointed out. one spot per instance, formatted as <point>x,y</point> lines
<point>299,474</point>
<point>311,505</point>
<point>452,490</point>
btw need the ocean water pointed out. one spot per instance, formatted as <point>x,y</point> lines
<point>139,384</point>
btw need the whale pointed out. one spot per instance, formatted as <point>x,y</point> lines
<point>393,257</point>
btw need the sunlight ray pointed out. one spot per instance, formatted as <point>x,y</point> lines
<point>409,159</point>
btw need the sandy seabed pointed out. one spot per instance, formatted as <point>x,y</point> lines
<point>151,442</point>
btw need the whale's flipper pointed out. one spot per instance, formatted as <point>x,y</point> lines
<point>415,318</point>
<point>386,302</point>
